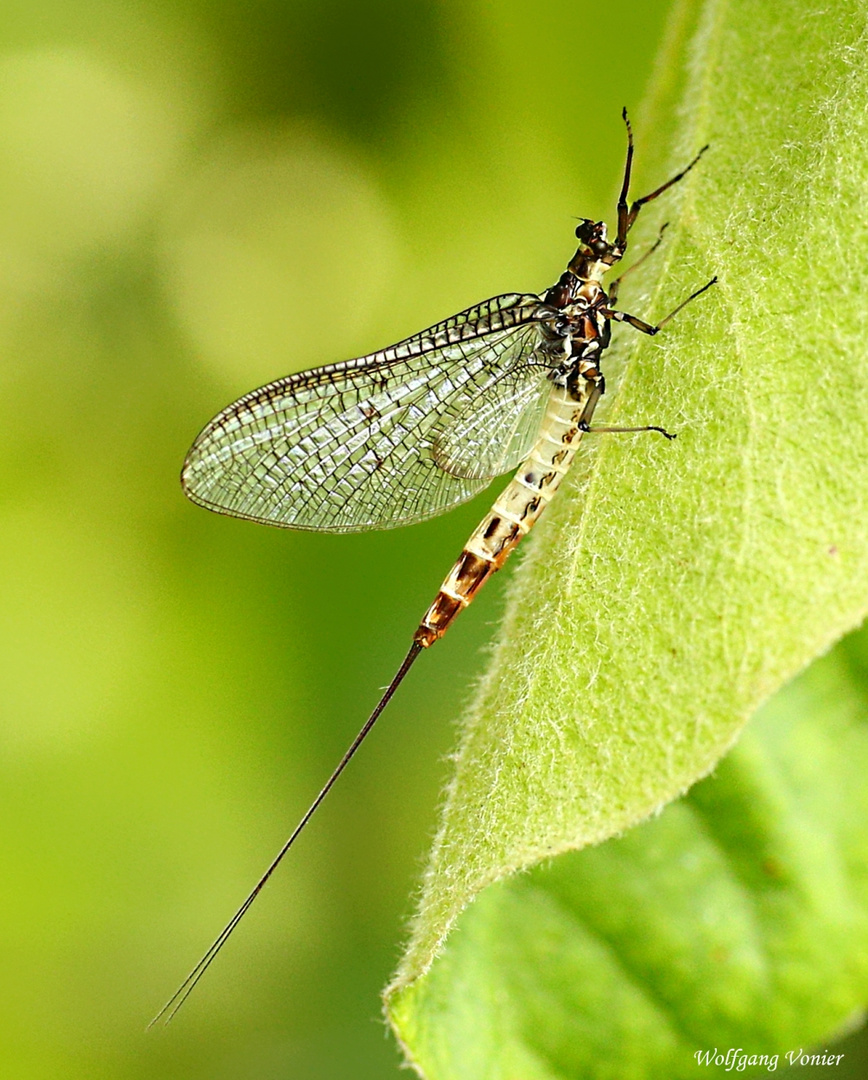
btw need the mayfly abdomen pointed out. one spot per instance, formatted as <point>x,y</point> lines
<point>515,511</point>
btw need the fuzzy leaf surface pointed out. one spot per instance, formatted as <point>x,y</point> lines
<point>673,588</point>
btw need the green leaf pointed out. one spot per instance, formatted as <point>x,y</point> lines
<point>738,918</point>
<point>673,587</point>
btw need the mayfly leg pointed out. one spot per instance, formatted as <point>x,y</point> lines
<point>615,285</point>
<point>646,328</point>
<point>627,214</point>
<point>650,328</point>
<point>606,430</point>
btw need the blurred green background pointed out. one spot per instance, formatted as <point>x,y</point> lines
<point>196,198</point>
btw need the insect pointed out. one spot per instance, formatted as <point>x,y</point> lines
<point>406,433</point>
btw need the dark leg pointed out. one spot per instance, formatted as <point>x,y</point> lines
<point>626,216</point>
<point>588,430</point>
<point>623,211</point>
<point>647,328</point>
<point>614,285</point>
<point>606,337</point>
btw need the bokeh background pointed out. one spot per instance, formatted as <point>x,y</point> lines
<point>196,198</point>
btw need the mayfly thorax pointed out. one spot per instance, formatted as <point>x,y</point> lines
<point>408,432</point>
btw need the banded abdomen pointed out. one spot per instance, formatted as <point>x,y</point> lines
<point>519,505</point>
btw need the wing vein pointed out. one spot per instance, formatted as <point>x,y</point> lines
<point>384,440</point>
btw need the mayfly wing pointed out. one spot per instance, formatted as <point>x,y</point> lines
<point>495,433</point>
<point>376,442</point>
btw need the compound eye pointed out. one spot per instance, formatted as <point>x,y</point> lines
<point>585,230</point>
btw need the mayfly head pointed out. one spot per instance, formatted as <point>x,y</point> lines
<point>592,236</point>
<point>595,253</point>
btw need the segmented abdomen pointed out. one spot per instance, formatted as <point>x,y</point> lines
<point>516,509</point>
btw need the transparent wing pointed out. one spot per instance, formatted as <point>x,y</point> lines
<point>484,438</point>
<point>376,442</point>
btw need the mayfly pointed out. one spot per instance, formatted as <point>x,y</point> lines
<point>406,433</point>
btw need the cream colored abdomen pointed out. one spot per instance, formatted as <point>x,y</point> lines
<point>514,513</point>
